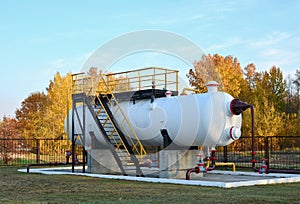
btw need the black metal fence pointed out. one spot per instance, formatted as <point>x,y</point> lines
<point>282,152</point>
<point>35,151</point>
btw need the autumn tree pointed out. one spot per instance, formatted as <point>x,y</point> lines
<point>31,116</point>
<point>59,96</point>
<point>8,132</point>
<point>268,121</point>
<point>278,87</point>
<point>266,90</point>
<point>225,70</point>
<point>203,72</point>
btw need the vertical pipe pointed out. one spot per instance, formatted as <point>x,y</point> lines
<point>166,80</point>
<point>252,135</point>
<point>68,117</point>
<point>139,79</point>
<point>176,80</point>
<point>73,136</point>
<point>158,158</point>
<point>83,135</point>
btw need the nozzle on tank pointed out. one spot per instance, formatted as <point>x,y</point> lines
<point>237,106</point>
<point>212,86</point>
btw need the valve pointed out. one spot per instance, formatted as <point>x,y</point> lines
<point>201,166</point>
<point>264,167</point>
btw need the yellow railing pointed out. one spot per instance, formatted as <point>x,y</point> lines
<point>141,79</point>
<point>134,80</point>
<point>84,84</point>
<point>124,124</point>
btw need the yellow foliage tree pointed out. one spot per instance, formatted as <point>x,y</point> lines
<point>31,116</point>
<point>268,121</point>
<point>59,94</point>
<point>225,70</point>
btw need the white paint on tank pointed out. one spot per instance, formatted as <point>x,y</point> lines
<point>191,120</point>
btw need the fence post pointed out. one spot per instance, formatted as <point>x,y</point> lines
<point>266,149</point>
<point>38,152</point>
<point>225,157</point>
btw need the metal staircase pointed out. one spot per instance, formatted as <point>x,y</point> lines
<point>114,137</point>
<point>99,95</point>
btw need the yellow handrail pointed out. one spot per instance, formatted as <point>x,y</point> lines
<point>141,151</point>
<point>108,118</point>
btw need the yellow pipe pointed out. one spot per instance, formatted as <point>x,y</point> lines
<point>207,164</point>
<point>189,89</point>
<point>226,164</point>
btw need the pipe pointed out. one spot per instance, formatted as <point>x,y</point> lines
<point>192,170</point>
<point>46,164</point>
<point>199,168</point>
<point>226,164</point>
<point>215,164</point>
<point>68,154</point>
<point>189,89</point>
<point>212,167</point>
<point>253,141</point>
<point>213,158</point>
<point>284,171</point>
<point>51,164</point>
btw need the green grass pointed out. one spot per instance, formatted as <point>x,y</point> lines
<point>36,188</point>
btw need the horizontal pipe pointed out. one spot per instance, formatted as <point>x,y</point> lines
<point>226,164</point>
<point>45,164</point>
<point>51,164</point>
<point>282,171</point>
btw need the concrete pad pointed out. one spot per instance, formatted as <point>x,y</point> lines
<point>216,178</point>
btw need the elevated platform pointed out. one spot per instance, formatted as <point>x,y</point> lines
<point>139,95</point>
<point>138,81</point>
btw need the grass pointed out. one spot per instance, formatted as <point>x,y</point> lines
<point>36,188</point>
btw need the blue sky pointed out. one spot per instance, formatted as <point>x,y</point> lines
<point>40,38</point>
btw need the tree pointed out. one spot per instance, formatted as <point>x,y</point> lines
<point>250,73</point>
<point>59,96</point>
<point>268,121</point>
<point>296,82</point>
<point>8,132</point>
<point>225,70</point>
<point>231,73</point>
<point>203,72</point>
<point>279,88</point>
<point>266,90</point>
<point>31,116</point>
<point>248,83</point>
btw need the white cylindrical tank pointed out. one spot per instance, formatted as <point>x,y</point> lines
<point>191,120</point>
